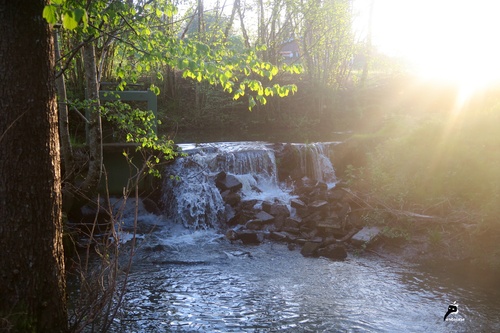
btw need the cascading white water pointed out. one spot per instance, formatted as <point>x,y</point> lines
<point>192,198</point>
<point>315,161</point>
<point>190,195</point>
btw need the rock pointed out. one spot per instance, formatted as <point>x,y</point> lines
<point>264,217</point>
<point>292,231</point>
<point>334,252</point>
<point>220,176</point>
<point>365,236</point>
<point>346,209</point>
<point>255,224</point>
<point>250,237</point>
<point>231,235</point>
<point>291,222</point>
<point>231,198</point>
<point>307,182</point>
<point>313,218</point>
<point>330,227</point>
<point>321,185</point>
<point>308,233</point>
<point>230,212</point>
<point>335,195</point>
<point>247,237</point>
<point>275,209</point>
<point>304,186</point>
<point>278,236</point>
<point>319,205</point>
<point>229,182</point>
<point>248,204</point>
<point>238,218</point>
<point>298,204</point>
<point>310,249</point>
<point>299,241</point>
<point>316,239</point>
<point>329,240</point>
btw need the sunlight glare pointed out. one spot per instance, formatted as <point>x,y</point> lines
<point>446,40</point>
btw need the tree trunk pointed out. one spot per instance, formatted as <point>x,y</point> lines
<point>94,140</point>
<point>227,31</point>
<point>62,100</point>
<point>32,280</point>
<point>368,48</point>
<point>262,29</point>
<point>243,29</point>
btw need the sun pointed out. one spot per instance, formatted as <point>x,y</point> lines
<point>453,41</point>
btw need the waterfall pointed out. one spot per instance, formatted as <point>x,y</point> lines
<point>191,197</point>
<point>315,161</point>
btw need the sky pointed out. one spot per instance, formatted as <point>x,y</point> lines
<point>446,39</point>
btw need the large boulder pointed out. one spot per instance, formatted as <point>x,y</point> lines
<point>227,182</point>
<point>333,252</point>
<point>310,249</point>
<point>365,236</point>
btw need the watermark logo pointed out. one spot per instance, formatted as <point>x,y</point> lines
<point>452,309</point>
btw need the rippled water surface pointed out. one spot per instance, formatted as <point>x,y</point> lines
<point>201,283</point>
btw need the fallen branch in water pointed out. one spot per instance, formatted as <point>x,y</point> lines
<point>368,202</point>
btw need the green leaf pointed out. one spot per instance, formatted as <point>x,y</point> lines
<point>238,94</point>
<point>262,100</point>
<point>69,20</point>
<point>50,14</point>
<point>79,14</point>
<point>274,70</point>
<point>251,102</point>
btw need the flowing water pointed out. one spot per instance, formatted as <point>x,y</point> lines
<point>199,282</point>
<point>188,278</point>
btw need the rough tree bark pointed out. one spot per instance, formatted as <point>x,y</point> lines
<point>32,282</point>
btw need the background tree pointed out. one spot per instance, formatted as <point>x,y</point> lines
<point>32,293</point>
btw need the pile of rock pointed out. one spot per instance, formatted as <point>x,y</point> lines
<point>318,219</point>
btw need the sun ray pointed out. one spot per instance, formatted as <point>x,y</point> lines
<point>447,41</point>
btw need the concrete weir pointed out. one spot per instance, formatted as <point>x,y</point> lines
<point>119,171</point>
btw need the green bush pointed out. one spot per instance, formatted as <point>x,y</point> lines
<point>429,160</point>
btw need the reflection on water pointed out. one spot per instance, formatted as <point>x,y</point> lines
<point>209,285</point>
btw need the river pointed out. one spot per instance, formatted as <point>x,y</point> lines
<point>187,277</point>
<point>200,282</point>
